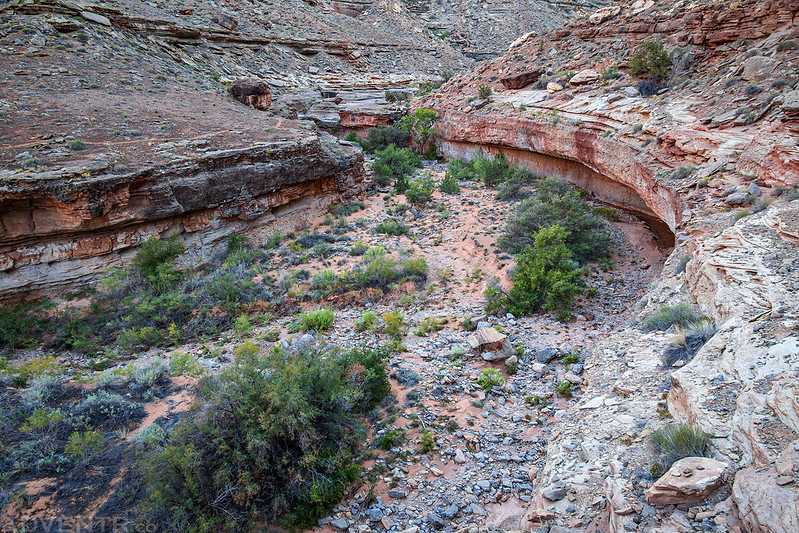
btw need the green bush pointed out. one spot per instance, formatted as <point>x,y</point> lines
<point>492,170</point>
<point>414,268</point>
<point>610,73</point>
<point>324,283</point>
<point>76,144</point>
<point>393,165</point>
<point>667,316</point>
<point>382,137</point>
<point>518,186</point>
<point>273,439</point>
<point>420,191</point>
<point>484,91</point>
<point>650,60</point>
<point>677,441</point>
<point>565,389</point>
<point>490,378</point>
<point>318,320</point>
<point>394,324</point>
<point>84,444</point>
<point>559,203</point>
<point>428,442</point>
<point>449,185</point>
<point>421,126</point>
<point>392,227</point>
<point>366,322</point>
<point>154,253</point>
<point>545,276</point>
<point>460,170</point>
<point>391,438</point>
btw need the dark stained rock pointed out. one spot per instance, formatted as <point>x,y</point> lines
<point>521,79</point>
<point>252,91</point>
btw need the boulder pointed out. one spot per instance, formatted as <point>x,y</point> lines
<point>790,105</point>
<point>584,77</point>
<point>606,13</point>
<point>553,87</point>
<point>226,21</point>
<point>737,198</point>
<point>689,480</point>
<point>758,68</point>
<point>252,92</point>
<point>520,79</point>
<point>491,344</point>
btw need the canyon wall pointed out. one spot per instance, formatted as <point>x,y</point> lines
<point>61,228</point>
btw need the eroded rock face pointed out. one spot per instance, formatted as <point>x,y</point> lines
<point>55,236</point>
<point>764,505</point>
<point>520,80</point>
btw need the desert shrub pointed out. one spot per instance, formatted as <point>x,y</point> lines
<point>667,316</point>
<point>391,438</point>
<point>156,253</point>
<point>382,137</point>
<point>324,283</point>
<point>41,391</point>
<point>607,213</point>
<point>559,203</point>
<point>377,272</point>
<point>490,378</point>
<point>347,210</point>
<point>149,373</point>
<point>394,324</point>
<point>460,170</point>
<point>366,322</point>
<point>36,367</point>
<point>492,170</point>
<point>565,389</point>
<point>392,165</point>
<point>105,409</point>
<point>274,439</point>
<point>610,73</point>
<point>183,363</point>
<point>687,341</point>
<point>650,60</point>
<point>76,144</point>
<point>752,89</point>
<point>428,442</point>
<point>420,191</point>
<point>414,268</point>
<point>19,324</point>
<point>683,172</point>
<point>677,441</point>
<point>392,227</point>
<point>242,325</point>
<point>430,324</point>
<point>85,443</point>
<point>41,418</point>
<point>484,91</point>
<point>318,320</point>
<point>495,297</point>
<point>421,126</point>
<point>518,186</point>
<point>449,185</point>
<point>545,276</point>
<point>785,45</point>
<point>359,248</point>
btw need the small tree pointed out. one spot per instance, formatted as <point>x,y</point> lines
<point>421,125</point>
<point>650,60</point>
<point>546,276</point>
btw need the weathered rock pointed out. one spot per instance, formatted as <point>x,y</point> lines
<point>758,68</point>
<point>689,480</point>
<point>340,523</point>
<point>790,105</point>
<point>555,492</point>
<point>94,17</point>
<point>584,77</point>
<point>553,87</point>
<point>226,21</point>
<point>604,14</point>
<point>737,198</point>
<point>520,80</point>
<point>763,505</point>
<point>252,92</point>
<point>545,355</point>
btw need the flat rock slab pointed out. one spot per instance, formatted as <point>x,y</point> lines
<point>689,480</point>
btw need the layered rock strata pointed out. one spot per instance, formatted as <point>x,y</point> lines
<point>58,228</point>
